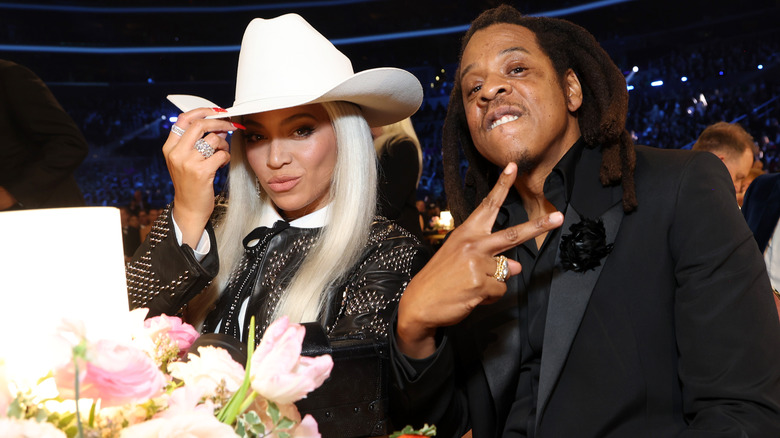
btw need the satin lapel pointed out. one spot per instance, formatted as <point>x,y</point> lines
<point>570,291</point>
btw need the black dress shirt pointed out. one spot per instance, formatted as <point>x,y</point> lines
<point>533,286</point>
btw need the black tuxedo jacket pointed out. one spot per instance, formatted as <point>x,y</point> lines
<point>674,335</point>
<point>761,207</point>
<point>41,145</point>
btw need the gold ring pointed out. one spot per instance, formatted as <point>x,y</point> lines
<point>502,268</point>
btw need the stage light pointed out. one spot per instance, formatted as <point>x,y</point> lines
<point>656,83</point>
<point>760,66</point>
<point>635,69</point>
<point>173,119</point>
<point>684,79</point>
<point>163,117</point>
<point>630,87</point>
<point>720,73</point>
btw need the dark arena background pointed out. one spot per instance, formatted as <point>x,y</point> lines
<point>111,64</point>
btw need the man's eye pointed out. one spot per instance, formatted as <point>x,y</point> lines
<point>475,89</point>
<point>517,70</point>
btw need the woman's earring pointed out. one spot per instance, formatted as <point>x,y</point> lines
<point>257,187</point>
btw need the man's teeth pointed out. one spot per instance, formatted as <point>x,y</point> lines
<point>506,119</point>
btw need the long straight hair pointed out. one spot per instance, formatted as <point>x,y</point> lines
<point>351,211</point>
<point>399,131</point>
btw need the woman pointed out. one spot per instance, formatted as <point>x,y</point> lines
<point>297,235</point>
<point>400,161</point>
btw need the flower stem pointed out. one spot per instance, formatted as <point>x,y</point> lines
<point>76,389</point>
<point>247,402</point>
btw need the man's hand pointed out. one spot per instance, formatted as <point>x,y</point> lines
<point>459,277</point>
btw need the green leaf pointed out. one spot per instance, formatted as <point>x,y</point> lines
<point>426,430</point>
<point>285,423</point>
<point>273,412</point>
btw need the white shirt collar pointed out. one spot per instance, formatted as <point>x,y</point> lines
<point>316,219</point>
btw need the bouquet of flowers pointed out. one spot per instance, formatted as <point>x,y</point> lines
<point>150,385</point>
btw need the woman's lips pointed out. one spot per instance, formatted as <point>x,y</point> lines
<point>283,184</point>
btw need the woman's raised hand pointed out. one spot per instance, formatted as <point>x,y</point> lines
<point>460,276</point>
<point>193,170</point>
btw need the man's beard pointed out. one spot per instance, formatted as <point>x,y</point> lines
<point>525,163</point>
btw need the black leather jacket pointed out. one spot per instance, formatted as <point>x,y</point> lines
<point>164,276</point>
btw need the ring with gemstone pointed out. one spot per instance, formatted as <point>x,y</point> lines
<point>502,268</point>
<point>176,130</point>
<point>204,148</point>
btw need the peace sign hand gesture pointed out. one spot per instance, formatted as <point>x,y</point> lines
<point>460,276</point>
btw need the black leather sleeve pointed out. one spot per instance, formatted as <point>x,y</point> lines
<point>164,276</point>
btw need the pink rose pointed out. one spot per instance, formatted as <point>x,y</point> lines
<point>207,369</point>
<point>185,400</point>
<point>278,372</point>
<point>190,425</point>
<point>307,428</point>
<point>181,333</point>
<point>115,373</point>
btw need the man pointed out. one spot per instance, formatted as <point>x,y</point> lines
<point>762,213</point>
<point>733,145</point>
<point>637,317</point>
<point>42,146</point>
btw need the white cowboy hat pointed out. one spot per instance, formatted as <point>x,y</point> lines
<point>284,62</point>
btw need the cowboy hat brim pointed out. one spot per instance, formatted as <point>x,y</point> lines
<point>385,95</point>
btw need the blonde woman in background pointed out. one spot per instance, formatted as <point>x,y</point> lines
<point>400,162</point>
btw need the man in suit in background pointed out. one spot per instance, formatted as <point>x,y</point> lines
<point>647,313</point>
<point>762,213</point>
<point>733,145</point>
<point>41,147</point>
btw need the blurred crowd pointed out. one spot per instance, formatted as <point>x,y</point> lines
<point>733,81</point>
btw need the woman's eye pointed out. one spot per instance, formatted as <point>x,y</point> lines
<point>252,137</point>
<point>304,131</point>
<point>517,70</point>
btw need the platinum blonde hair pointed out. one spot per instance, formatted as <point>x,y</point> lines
<point>350,214</point>
<point>398,131</point>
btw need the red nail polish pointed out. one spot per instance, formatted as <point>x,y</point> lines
<point>239,126</point>
<point>219,110</point>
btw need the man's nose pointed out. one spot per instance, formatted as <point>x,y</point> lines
<point>494,87</point>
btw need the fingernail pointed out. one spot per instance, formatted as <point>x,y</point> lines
<point>238,125</point>
<point>556,217</point>
<point>508,169</point>
<point>219,110</point>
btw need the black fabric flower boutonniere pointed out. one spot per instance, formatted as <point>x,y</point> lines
<point>583,249</point>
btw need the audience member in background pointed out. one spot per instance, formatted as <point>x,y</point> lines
<point>762,213</point>
<point>422,214</point>
<point>400,164</point>
<point>41,147</point>
<point>733,145</point>
<point>131,232</point>
<point>629,299</point>
<point>151,217</point>
<point>297,236</point>
<point>754,173</point>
